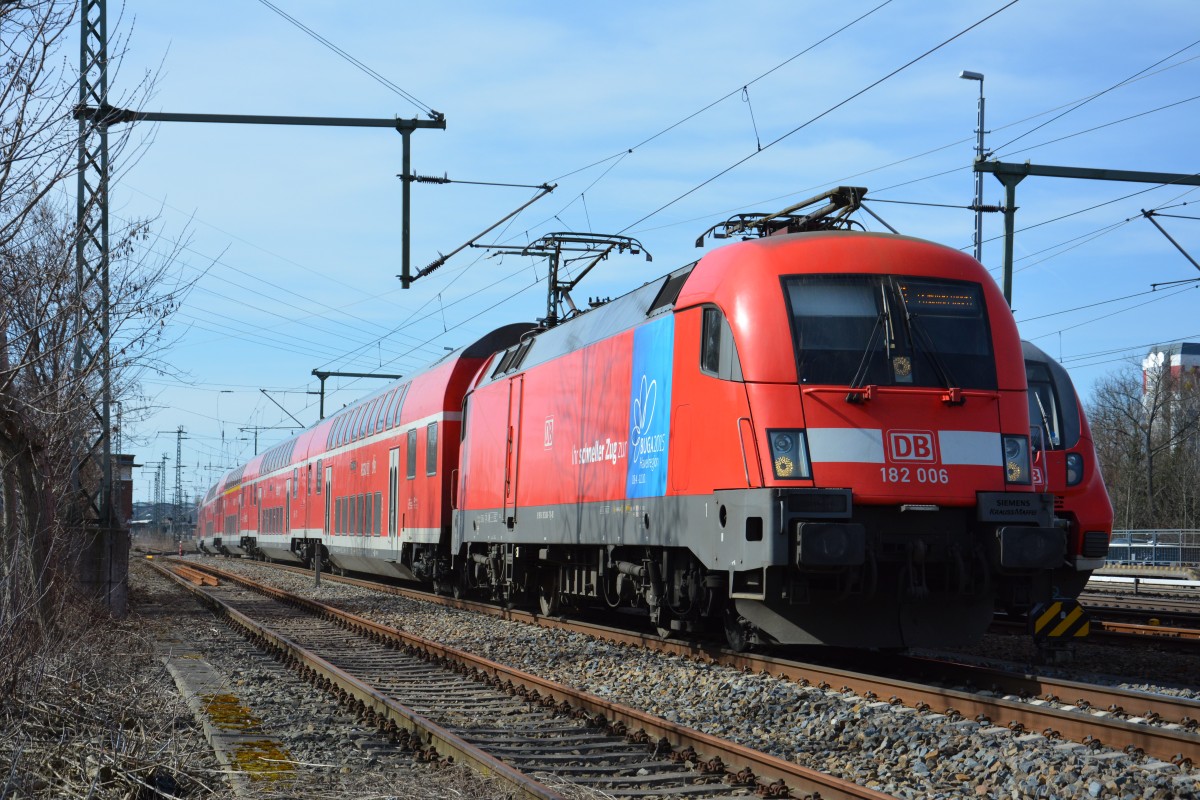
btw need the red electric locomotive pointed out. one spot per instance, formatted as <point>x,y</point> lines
<point>818,437</point>
<point>1066,467</point>
<point>808,438</point>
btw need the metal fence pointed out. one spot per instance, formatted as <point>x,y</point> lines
<point>1155,547</point>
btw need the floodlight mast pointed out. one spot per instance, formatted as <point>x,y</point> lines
<point>980,155</point>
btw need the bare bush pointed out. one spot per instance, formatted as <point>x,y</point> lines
<point>88,712</point>
<point>1147,435</point>
<point>47,391</point>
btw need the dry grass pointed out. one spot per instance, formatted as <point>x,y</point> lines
<point>93,713</point>
<point>89,712</point>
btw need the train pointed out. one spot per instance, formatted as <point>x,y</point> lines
<point>821,437</point>
<point>1065,466</point>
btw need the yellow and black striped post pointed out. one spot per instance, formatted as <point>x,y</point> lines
<point>1059,621</point>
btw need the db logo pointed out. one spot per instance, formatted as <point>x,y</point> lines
<point>911,446</point>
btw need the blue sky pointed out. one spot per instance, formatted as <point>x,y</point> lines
<point>292,235</point>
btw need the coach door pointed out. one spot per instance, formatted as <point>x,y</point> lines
<point>393,488</point>
<point>328,494</point>
<point>512,461</point>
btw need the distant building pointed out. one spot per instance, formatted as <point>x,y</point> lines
<point>1179,359</point>
<point>1174,369</point>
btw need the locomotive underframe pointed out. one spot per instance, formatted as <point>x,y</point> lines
<point>791,566</point>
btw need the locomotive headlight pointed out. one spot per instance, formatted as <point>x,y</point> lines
<point>1016,459</point>
<point>1074,469</point>
<point>1012,448</point>
<point>789,454</point>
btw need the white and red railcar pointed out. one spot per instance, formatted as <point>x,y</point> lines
<point>369,485</point>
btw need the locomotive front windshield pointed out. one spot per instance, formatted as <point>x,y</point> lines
<point>1043,402</point>
<point>888,330</point>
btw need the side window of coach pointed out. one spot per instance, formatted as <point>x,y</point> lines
<point>431,451</point>
<point>411,456</point>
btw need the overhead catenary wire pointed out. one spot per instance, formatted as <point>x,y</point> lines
<point>1063,247</point>
<point>1087,306</point>
<point>584,201</point>
<point>307,313</point>
<point>919,203</point>
<point>1126,349</point>
<point>240,300</point>
<point>778,66</point>
<point>819,116</point>
<point>232,325</point>
<point>1142,75</point>
<point>385,82</point>
<point>1095,96</point>
<point>725,97</point>
<point>1023,150</point>
<point>1091,235</point>
<point>620,156</point>
<point>845,179</point>
<point>493,306</point>
<point>1165,296</point>
<point>193,218</point>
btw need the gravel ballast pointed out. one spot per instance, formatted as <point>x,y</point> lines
<point>893,749</point>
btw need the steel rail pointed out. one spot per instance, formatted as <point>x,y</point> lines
<point>1187,611</point>
<point>1099,605</point>
<point>736,757</point>
<point>1079,726</point>
<point>1086,728</point>
<point>1182,710</point>
<point>1083,695</point>
<point>374,703</point>
<point>1125,633</point>
<point>1129,630</point>
<point>1144,615</point>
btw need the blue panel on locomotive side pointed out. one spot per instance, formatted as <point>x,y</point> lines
<point>650,408</point>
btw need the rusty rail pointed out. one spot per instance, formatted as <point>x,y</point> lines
<point>1078,726</point>
<point>737,759</point>
<point>377,705</point>
<point>195,576</point>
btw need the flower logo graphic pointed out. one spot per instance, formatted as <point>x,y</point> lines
<point>643,410</point>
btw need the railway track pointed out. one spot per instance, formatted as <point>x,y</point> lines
<point>1171,612</point>
<point>1160,726</point>
<point>506,723</point>
<point>1187,638</point>
<point>1184,639</point>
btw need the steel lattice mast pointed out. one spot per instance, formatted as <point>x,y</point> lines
<point>92,362</point>
<point>177,503</point>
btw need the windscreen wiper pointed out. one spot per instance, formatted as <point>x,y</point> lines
<point>917,332</point>
<point>1045,420</point>
<point>857,394</point>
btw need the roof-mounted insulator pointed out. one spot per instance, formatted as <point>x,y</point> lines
<point>425,178</point>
